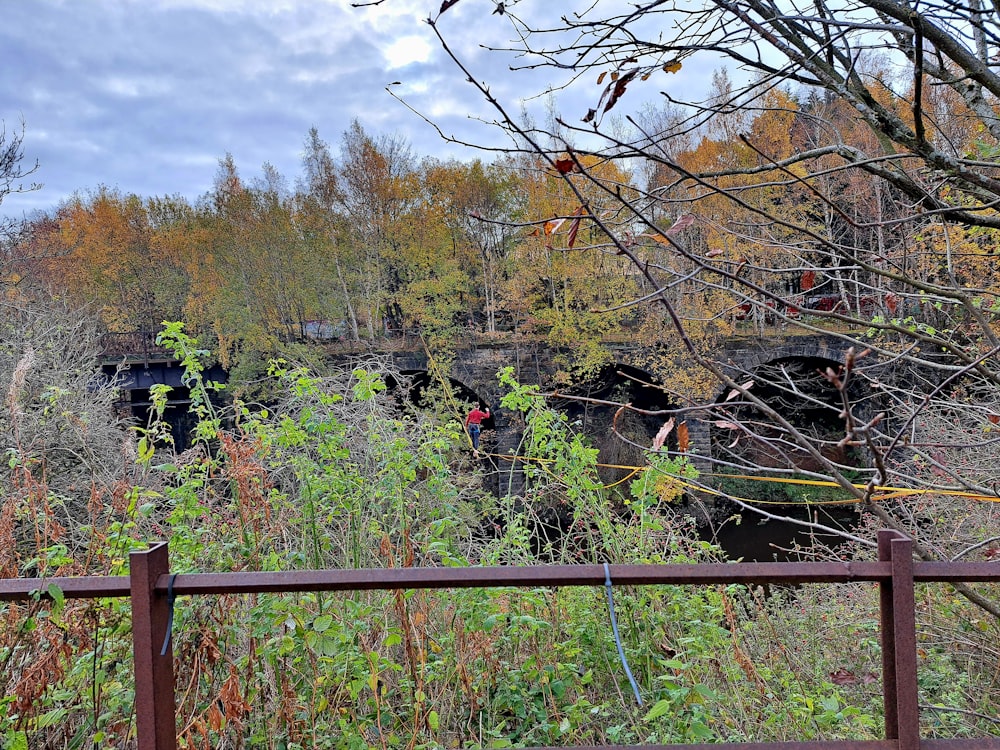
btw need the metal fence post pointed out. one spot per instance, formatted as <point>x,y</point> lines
<point>887,629</point>
<point>897,600</point>
<point>154,672</point>
<point>905,635</point>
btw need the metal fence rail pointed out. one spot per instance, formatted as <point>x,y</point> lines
<point>896,574</point>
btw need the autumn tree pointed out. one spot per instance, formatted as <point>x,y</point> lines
<point>575,297</point>
<point>376,178</point>
<point>435,264</point>
<point>102,250</point>
<point>272,279</point>
<point>326,229</point>
<point>484,207</point>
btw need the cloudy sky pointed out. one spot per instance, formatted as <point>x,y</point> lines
<point>147,95</point>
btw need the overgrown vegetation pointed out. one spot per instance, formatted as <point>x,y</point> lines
<point>335,476</point>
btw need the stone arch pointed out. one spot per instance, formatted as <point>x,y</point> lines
<point>419,382</point>
<point>793,383</point>
<point>618,383</point>
<point>816,410</point>
<point>501,435</point>
<point>742,355</point>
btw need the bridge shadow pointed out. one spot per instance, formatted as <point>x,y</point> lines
<point>622,436</point>
<point>748,447</point>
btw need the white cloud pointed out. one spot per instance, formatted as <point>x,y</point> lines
<point>408,50</point>
<point>108,87</point>
<point>136,86</point>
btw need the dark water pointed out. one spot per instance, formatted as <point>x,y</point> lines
<point>757,540</point>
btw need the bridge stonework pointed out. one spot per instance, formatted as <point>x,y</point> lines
<point>747,355</point>
<point>475,369</point>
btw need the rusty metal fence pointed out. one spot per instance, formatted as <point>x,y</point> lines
<point>151,587</point>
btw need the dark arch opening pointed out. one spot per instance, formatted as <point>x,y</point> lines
<point>618,384</point>
<point>796,388</point>
<point>135,381</point>
<point>423,392</point>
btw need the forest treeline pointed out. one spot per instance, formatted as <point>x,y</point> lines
<point>369,239</point>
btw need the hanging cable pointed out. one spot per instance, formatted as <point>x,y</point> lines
<point>171,598</point>
<point>618,640</point>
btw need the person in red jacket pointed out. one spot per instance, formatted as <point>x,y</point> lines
<point>474,424</point>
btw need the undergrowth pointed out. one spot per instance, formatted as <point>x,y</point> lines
<point>336,475</point>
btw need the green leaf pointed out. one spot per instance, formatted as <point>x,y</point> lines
<point>56,594</point>
<point>830,703</point>
<point>433,720</point>
<point>322,623</point>
<point>700,730</point>
<point>660,708</point>
<point>145,449</point>
<point>706,692</point>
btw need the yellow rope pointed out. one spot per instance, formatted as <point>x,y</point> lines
<point>889,492</point>
<point>892,491</point>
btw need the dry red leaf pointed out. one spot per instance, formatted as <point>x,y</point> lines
<point>661,435</point>
<point>736,392</point>
<point>565,166</point>
<point>683,438</point>
<point>574,227</point>
<point>215,718</point>
<point>843,677</point>
<point>619,89</point>
<point>231,697</point>
<point>680,225</point>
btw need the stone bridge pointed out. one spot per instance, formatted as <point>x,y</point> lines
<point>473,378</point>
<point>475,368</point>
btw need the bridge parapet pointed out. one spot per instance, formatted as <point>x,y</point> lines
<point>748,355</point>
<point>134,346</point>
